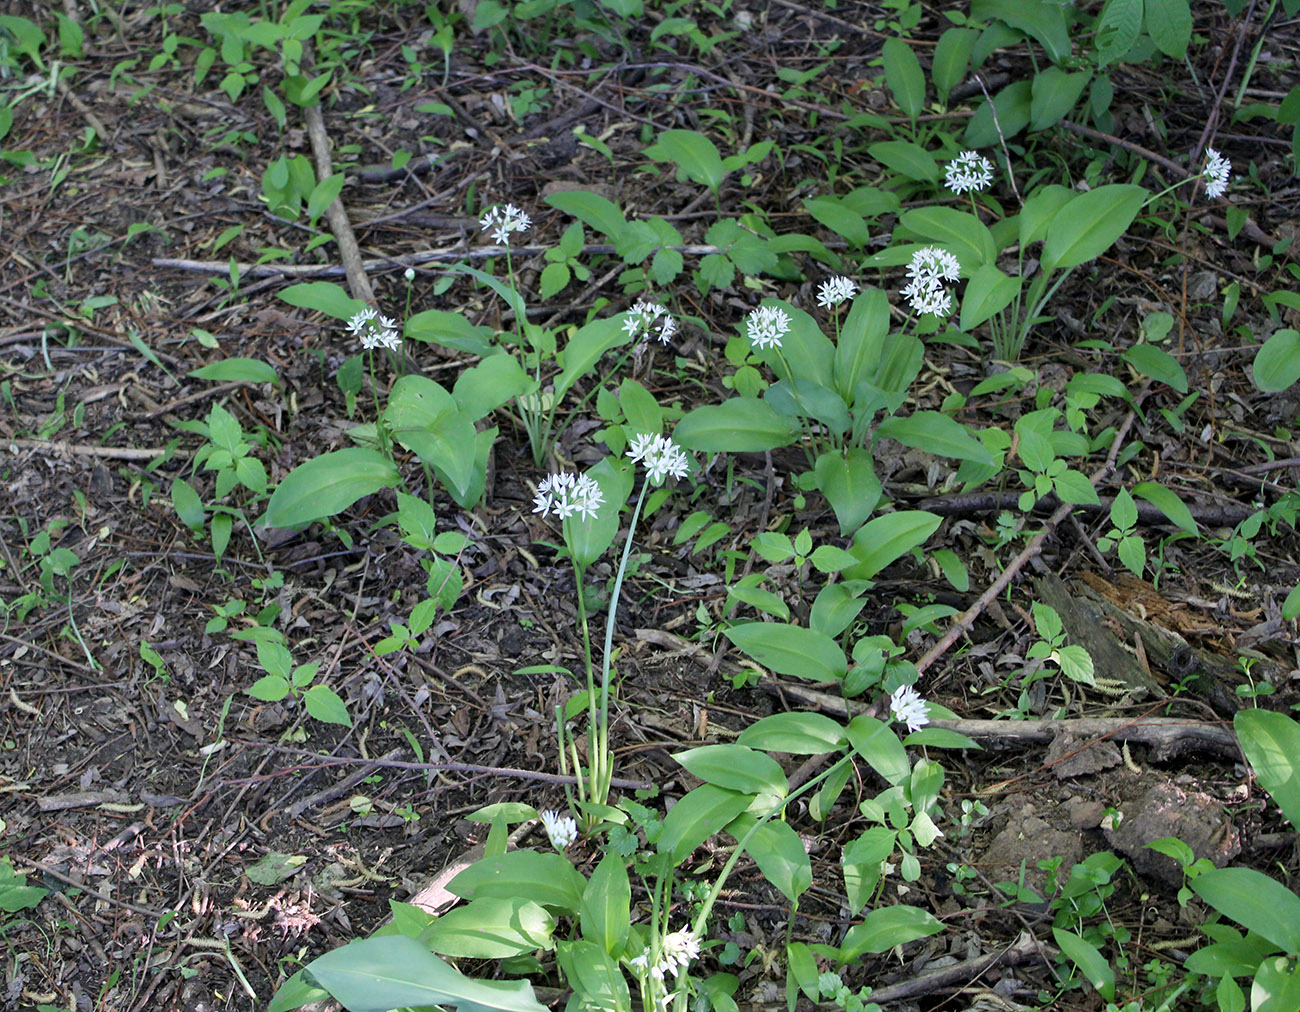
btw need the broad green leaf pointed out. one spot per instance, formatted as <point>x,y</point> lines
<point>323,194</point>
<point>796,733</point>
<point>861,860</point>
<point>1168,503</point>
<point>1234,955</point>
<point>1089,225</point>
<point>735,767</point>
<point>695,156</point>
<point>941,737</point>
<point>802,966</point>
<point>697,816</point>
<point>1271,742</point>
<point>451,330</point>
<point>849,483</point>
<point>1276,986</point>
<point>779,853</point>
<point>960,232</point>
<point>545,878</point>
<point>327,485</point>
<point>836,605</point>
<point>1055,93</point>
<point>583,351</point>
<point>759,599</point>
<point>907,159</point>
<point>1169,23</point>
<point>1158,364</point>
<point>791,650</point>
<point>862,334</point>
<point>424,418</point>
<point>802,398</point>
<point>1042,20</point>
<point>1040,210</point>
<point>1012,104</point>
<point>738,425</point>
<point>1277,363</point>
<point>606,905</point>
<point>640,409</point>
<point>295,993</point>
<point>590,208</point>
<point>879,746</point>
<point>594,974</point>
<point>882,929</point>
<point>491,927</point>
<point>1074,487</point>
<point>887,538</point>
<point>840,219</point>
<point>1255,901</point>
<point>904,76</point>
<point>237,370</point>
<point>188,505</point>
<point>989,291</point>
<point>1089,960</point>
<point>379,974</point>
<point>324,704</point>
<point>935,433</point>
<point>324,297</point>
<point>589,539</point>
<point>554,278</point>
<point>483,388</point>
<point>1117,29</point>
<point>951,59</point>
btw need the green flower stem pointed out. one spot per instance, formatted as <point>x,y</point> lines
<point>600,789</point>
<point>594,756</point>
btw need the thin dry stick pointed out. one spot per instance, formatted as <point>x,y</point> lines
<point>967,618</point>
<point>349,251</point>
<point>63,449</point>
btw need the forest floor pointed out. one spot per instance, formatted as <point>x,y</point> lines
<point>198,844</point>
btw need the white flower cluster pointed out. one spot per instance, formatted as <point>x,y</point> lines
<point>968,171</point>
<point>836,290</point>
<point>560,829</point>
<point>680,948</point>
<point>1216,173</point>
<point>659,455</point>
<point>909,708</point>
<point>374,330</point>
<point>643,320</point>
<point>566,494</point>
<point>766,326</point>
<point>929,269</point>
<point>503,221</point>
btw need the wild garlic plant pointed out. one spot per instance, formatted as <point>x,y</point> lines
<point>576,501</point>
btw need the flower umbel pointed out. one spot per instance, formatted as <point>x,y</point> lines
<point>561,829</point>
<point>836,290</point>
<point>565,494</point>
<point>968,171</point>
<point>929,269</point>
<point>660,456</point>
<point>649,319</point>
<point>503,221</point>
<point>909,708</point>
<point>1216,173</point>
<point>374,330</point>
<point>934,264</point>
<point>766,326</point>
<point>680,948</point>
